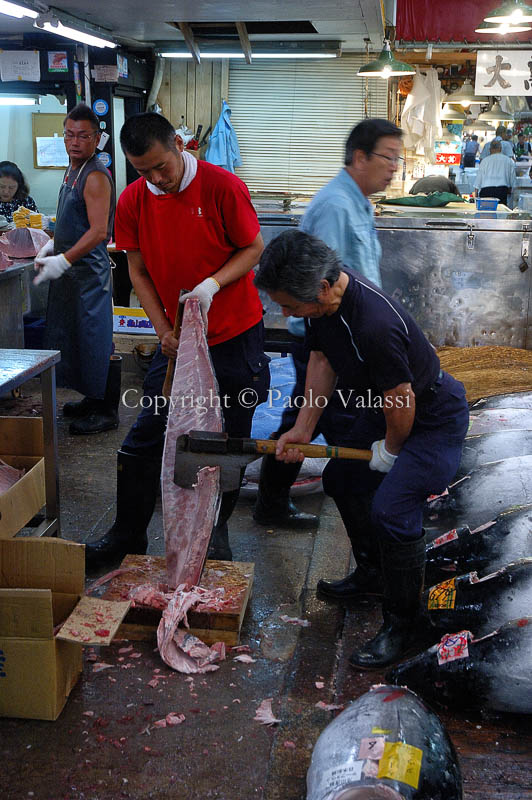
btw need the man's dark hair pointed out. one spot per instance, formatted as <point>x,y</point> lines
<point>83,113</point>
<point>474,138</point>
<point>141,131</point>
<point>296,263</point>
<point>10,170</point>
<point>521,136</point>
<point>364,136</point>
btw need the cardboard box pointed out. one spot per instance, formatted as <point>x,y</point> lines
<point>41,586</point>
<point>131,320</point>
<point>21,446</point>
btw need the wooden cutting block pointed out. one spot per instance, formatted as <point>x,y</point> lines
<point>209,625</point>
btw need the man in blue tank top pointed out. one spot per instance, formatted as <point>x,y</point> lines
<point>79,319</point>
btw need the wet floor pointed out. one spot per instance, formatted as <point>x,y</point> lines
<point>105,743</point>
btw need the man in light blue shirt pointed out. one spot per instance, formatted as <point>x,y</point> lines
<point>496,175</point>
<point>506,146</point>
<point>342,216</point>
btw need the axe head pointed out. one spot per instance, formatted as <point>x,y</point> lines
<point>201,449</point>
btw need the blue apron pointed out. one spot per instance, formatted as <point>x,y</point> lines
<point>79,319</point>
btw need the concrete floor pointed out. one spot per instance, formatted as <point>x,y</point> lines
<point>104,744</point>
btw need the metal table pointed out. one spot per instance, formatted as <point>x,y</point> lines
<point>17,367</point>
<point>11,306</point>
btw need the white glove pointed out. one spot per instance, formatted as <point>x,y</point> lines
<point>47,250</point>
<point>204,292</point>
<point>382,460</point>
<point>50,268</point>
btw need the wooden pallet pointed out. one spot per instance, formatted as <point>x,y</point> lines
<point>209,625</point>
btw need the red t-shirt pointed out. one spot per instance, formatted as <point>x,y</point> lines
<point>186,236</point>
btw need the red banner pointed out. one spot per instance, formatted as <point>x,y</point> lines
<point>448,20</point>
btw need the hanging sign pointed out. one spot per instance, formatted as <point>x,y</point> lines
<point>504,72</point>
<point>20,65</point>
<point>447,152</point>
<point>57,61</point>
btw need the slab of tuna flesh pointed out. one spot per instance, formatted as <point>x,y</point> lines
<point>23,242</point>
<point>180,649</point>
<point>189,514</point>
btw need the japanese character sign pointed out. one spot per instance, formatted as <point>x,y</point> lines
<point>504,73</point>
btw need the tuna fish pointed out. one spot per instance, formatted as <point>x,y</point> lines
<point>498,542</point>
<point>387,745</point>
<point>492,672</point>
<point>517,400</point>
<point>483,448</point>
<point>23,242</point>
<point>490,420</point>
<point>480,604</point>
<point>482,494</point>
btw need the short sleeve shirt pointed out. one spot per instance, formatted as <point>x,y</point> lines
<point>343,217</point>
<point>185,237</point>
<point>372,343</point>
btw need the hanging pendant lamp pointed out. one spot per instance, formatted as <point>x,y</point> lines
<point>450,113</point>
<point>502,29</point>
<point>495,114</point>
<point>385,66</point>
<point>466,96</point>
<point>512,11</point>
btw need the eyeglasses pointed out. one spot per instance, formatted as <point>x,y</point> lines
<point>397,160</point>
<point>83,137</point>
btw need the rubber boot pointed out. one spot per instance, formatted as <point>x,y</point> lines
<point>366,580</point>
<point>403,568</point>
<point>273,506</point>
<point>137,483</point>
<point>104,417</point>
<point>219,547</point>
<point>81,408</point>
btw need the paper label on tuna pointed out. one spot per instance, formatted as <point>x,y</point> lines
<point>443,595</point>
<point>453,646</point>
<point>401,762</point>
<point>339,776</point>
<point>372,747</point>
<point>450,536</point>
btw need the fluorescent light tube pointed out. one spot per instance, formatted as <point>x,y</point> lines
<point>14,10</point>
<point>75,35</point>
<point>17,101</point>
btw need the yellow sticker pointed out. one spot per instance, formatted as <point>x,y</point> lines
<point>401,762</point>
<point>443,595</point>
<point>380,730</point>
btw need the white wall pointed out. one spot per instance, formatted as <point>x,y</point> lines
<point>16,145</point>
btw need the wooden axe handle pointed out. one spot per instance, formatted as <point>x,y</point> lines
<point>267,447</point>
<point>167,387</point>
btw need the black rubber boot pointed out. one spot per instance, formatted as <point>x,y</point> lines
<point>366,580</point>
<point>219,547</point>
<point>103,417</point>
<point>403,568</point>
<point>81,408</point>
<point>273,506</point>
<point>137,483</point>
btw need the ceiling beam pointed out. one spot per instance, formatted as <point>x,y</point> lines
<point>438,58</point>
<point>186,30</point>
<point>244,40</point>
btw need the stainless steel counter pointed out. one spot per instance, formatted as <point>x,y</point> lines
<point>465,281</point>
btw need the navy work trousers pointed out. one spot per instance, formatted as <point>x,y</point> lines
<point>427,463</point>
<point>240,365</point>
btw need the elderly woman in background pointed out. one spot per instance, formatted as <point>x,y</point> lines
<point>14,191</point>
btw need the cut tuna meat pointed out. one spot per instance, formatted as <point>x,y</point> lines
<point>23,242</point>
<point>180,649</point>
<point>189,514</point>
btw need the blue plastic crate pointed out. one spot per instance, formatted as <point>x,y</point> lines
<point>487,203</point>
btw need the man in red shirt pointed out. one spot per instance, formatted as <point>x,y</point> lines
<point>185,224</point>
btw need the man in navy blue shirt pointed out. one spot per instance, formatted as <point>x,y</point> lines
<point>411,415</point>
